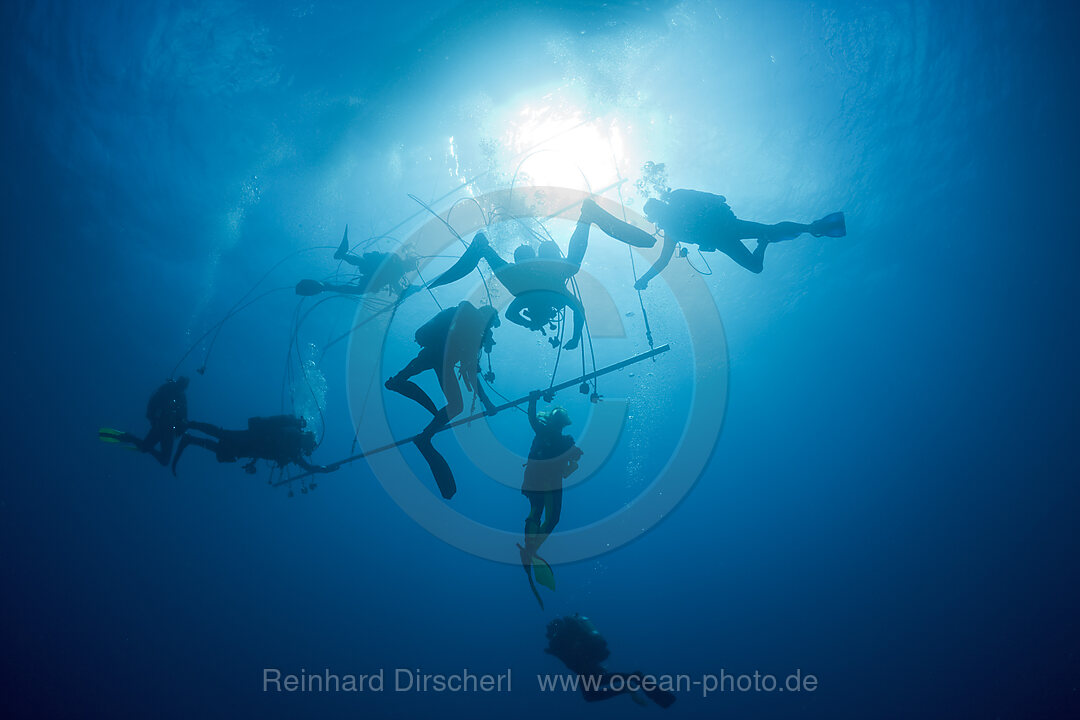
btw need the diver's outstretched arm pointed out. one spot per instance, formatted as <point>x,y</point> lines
<point>313,468</point>
<point>533,420</point>
<point>661,263</point>
<point>515,314</point>
<point>579,323</point>
<point>489,406</point>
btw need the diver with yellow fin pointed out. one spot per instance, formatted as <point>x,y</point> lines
<point>167,413</point>
<point>453,339</point>
<point>537,280</point>
<point>553,457</point>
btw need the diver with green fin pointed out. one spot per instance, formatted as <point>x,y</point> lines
<point>450,343</point>
<point>281,439</point>
<point>376,271</point>
<point>575,641</point>
<point>553,457</point>
<point>699,218</point>
<point>537,279</point>
<point>167,413</point>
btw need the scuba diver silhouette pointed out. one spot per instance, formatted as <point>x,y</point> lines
<point>536,279</point>
<point>453,338</point>
<point>699,218</point>
<point>167,412</point>
<point>280,439</point>
<point>575,640</point>
<point>552,458</point>
<point>377,271</point>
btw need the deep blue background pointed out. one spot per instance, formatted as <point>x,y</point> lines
<point>892,502</point>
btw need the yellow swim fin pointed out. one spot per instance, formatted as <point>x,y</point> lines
<point>111,435</point>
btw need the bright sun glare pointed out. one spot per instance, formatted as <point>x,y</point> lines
<point>557,144</point>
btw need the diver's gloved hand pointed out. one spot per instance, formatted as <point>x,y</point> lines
<point>572,343</point>
<point>641,284</point>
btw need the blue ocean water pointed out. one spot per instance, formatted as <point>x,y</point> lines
<point>890,505</point>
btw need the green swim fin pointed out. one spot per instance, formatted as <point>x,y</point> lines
<point>542,572</point>
<point>111,435</point>
<point>526,564</point>
<point>831,225</point>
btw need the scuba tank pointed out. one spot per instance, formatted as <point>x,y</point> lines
<point>279,437</point>
<point>575,640</point>
<point>432,334</point>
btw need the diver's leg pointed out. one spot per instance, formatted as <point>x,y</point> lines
<point>206,429</point>
<point>552,504</point>
<point>752,261</point>
<point>148,443</point>
<point>579,243</point>
<point>164,454</point>
<point>532,522</point>
<point>613,227</point>
<point>186,440</point>
<point>360,288</point>
<point>604,690</point>
<point>745,230</point>
<point>552,511</point>
<point>536,511</point>
<point>466,263</point>
<point>402,385</point>
<point>454,402</point>
<point>494,261</point>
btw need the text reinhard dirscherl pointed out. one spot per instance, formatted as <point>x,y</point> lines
<point>409,680</point>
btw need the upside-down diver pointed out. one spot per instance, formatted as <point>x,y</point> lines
<point>537,279</point>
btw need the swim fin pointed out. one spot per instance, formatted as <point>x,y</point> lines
<point>663,698</point>
<point>307,288</point>
<point>542,572</point>
<point>468,262</point>
<point>343,249</point>
<point>444,477</point>
<point>526,564</point>
<point>832,225</point>
<point>110,435</point>
<point>412,391</point>
<point>116,437</point>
